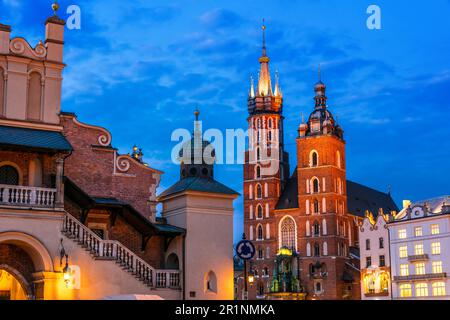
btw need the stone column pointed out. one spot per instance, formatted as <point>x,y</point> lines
<point>59,198</point>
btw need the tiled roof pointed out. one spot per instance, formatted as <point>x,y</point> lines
<point>359,197</point>
<point>198,184</point>
<point>32,138</point>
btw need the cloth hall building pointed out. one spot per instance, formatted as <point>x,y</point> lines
<point>77,218</point>
<point>304,225</point>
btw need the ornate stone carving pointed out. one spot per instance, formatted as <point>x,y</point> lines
<point>21,47</point>
<point>123,163</point>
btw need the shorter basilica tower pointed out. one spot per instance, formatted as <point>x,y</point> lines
<point>325,227</point>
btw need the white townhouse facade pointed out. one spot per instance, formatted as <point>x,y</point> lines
<point>420,250</point>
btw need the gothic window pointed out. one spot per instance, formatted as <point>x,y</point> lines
<point>308,230</point>
<point>250,191</point>
<point>2,91</point>
<point>325,249</point>
<point>288,233</point>
<point>260,254</point>
<point>266,190</point>
<point>259,212</point>
<point>324,226</point>
<point>258,154</point>
<point>258,172</point>
<point>34,96</point>
<point>268,252</point>
<point>261,289</point>
<point>9,175</point>
<point>338,159</point>
<point>260,233</point>
<point>315,188</point>
<point>316,228</point>
<point>314,160</point>
<point>258,192</point>
<point>308,250</point>
<point>316,206</point>
<point>316,250</point>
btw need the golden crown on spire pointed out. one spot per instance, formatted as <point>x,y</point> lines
<point>55,7</point>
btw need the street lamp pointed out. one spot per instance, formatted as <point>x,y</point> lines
<point>251,279</point>
<point>66,270</point>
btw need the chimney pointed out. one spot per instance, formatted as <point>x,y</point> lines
<point>54,38</point>
<point>5,32</point>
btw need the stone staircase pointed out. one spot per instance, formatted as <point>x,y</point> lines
<point>115,251</point>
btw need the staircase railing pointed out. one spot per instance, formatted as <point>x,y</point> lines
<point>114,250</point>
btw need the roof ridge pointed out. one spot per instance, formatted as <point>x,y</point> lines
<point>362,185</point>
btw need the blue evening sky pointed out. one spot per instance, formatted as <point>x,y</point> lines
<point>139,68</point>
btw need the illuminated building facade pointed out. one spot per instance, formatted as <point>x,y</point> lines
<point>420,250</point>
<point>304,225</point>
<point>77,218</point>
<point>375,258</point>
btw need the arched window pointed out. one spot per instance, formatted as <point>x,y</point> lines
<point>261,289</point>
<point>325,249</point>
<point>251,212</point>
<point>173,262</point>
<point>268,252</point>
<point>288,233</point>
<point>257,172</point>
<point>314,159</point>
<point>9,175</point>
<point>315,185</point>
<point>338,159</point>
<point>308,250</point>
<point>316,206</point>
<point>34,97</point>
<point>316,250</point>
<point>258,192</point>
<point>316,229</point>
<point>324,226</point>
<point>260,253</point>
<point>266,190</point>
<point>260,233</point>
<point>211,282</point>
<point>258,153</point>
<point>266,272</point>
<point>259,212</point>
<point>308,230</point>
<point>2,91</point>
<point>339,186</point>
<point>250,192</point>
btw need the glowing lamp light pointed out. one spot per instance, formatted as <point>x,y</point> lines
<point>251,279</point>
<point>285,252</point>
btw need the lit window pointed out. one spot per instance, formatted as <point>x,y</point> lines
<point>404,270</point>
<point>405,290</point>
<point>420,268</point>
<point>418,231</point>
<point>438,289</point>
<point>402,234</point>
<point>437,266</point>
<point>421,290</point>
<point>434,229</point>
<point>288,233</point>
<point>403,251</point>
<point>418,249</point>
<point>436,248</point>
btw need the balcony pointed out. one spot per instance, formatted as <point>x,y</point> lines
<point>23,196</point>
<point>418,257</point>
<point>415,277</point>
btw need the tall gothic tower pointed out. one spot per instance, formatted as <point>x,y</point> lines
<point>266,170</point>
<point>325,227</point>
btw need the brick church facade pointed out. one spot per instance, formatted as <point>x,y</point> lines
<point>304,226</point>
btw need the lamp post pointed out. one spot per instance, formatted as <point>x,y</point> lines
<point>246,251</point>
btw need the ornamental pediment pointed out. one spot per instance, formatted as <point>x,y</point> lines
<point>20,46</point>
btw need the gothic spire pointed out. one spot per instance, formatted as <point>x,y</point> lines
<point>264,81</point>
